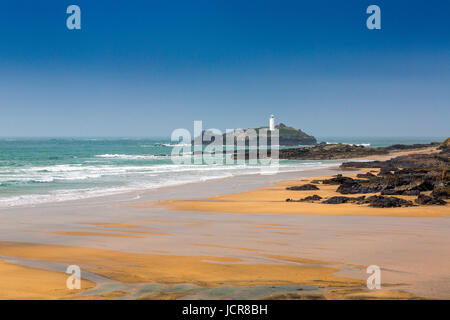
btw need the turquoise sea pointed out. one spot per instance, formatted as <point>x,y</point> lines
<point>36,171</point>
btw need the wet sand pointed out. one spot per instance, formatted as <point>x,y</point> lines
<point>176,254</point>
<point>18,282</point>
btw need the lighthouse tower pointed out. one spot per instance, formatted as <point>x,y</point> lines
<point>272,123</point>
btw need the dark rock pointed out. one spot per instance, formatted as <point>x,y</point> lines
<point>338,180</point>
<point>395,192</point>
<point>441,192</point>
<point>366,175</point>
<point>325,151</point>
<point>411,192</point>
<point>427,200</point>
<point>431,160</point>
<point>341,199</point>
<point>307,199</point>
<point>307,186</point>
<point>391,192</point>
<point>386,202</point>
<point>355,187</point>
<point>311,198</point>
<point>445,145</point>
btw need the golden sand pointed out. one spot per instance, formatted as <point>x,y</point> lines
<point>17,282</point>
<point>272,200</point>
<point>204,271</point>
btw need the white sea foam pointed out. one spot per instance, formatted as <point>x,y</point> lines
<point>89,181</point>
<point>176,144</point>
<point>351,144</point>
<point>132,156</point>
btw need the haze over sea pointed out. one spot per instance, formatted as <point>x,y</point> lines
<point>36,171</point>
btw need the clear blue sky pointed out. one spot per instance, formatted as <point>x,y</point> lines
<point>144,68</point>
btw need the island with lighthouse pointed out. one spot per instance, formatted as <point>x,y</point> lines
<point>288,136</point>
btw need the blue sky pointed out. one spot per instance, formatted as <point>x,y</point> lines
<point>144,68</point>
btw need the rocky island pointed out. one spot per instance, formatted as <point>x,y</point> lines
<point>288,136</point>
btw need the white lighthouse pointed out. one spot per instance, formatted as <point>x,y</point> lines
<point>272,123</point>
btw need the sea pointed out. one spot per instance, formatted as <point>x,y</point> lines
<point>44,170</point>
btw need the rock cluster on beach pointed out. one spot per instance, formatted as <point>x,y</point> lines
<point>426,176</point>
<point>408,175</point>
<point>372,201</point>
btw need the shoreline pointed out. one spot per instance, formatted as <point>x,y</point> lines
<point>136,194</point>
<point>271,199</point>
<point>298,256</point>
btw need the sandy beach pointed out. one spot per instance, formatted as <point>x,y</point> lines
<point>272,200</point>
<point>222,239</point>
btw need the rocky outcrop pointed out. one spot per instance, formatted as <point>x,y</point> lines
<point>306,199</point>
<point>441,192</point>
<point>340,199</point>
<point>366,175</point>
<point>373,201</point>
<point>307,186</point>
<point>394,192</point>
<point>408,175</point>
<point>325,151</point>
<point>427,200</point>
<point>329,152</point>
<point>387,202</point>
<point>339,179</point>
<point>288,136</point>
